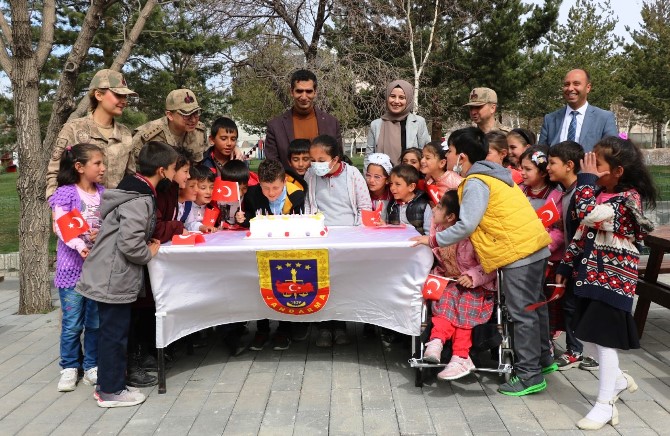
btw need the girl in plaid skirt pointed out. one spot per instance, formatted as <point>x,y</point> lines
<point>466,302</point>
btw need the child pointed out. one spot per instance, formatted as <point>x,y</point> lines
<point>187,194</point>
<point>603,257</point>
<point>434,166</point>
<point>498,151</point>
<point>518,140</point>
<point>223,137</point>
<point>79,187</point>
<point>412,156</point>
<point>203,201</point>
<point>167,201</point>
<point>299,160</point>
<point>339,191</point>
<point>563,167</point>
<point>377,170</point>
<point>112,274</point>
<point>234,171</point>
<point>464,304</point>
<point>505,232</point>
<point>272,196</point>
<point>410,206</point>
<point>536,183</point>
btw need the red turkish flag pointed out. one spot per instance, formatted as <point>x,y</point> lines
<point>211,214</point>
<point>71,225</point>
<point>191,238</point>
<point>372,218</point>
<point>225,191</point>
<point>548,213</point>
<point>434,287</point>
<point>434,193</point>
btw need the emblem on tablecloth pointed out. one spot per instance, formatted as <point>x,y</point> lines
<point>294,282</point>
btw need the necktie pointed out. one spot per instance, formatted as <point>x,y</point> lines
<point>572,128</point>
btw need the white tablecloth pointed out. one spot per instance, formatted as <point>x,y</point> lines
<point>375,276</point>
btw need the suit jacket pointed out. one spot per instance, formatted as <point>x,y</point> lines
<point>597,124</point>
<point>280,133</point>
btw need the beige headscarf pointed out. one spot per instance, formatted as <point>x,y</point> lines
<point>390,141</point>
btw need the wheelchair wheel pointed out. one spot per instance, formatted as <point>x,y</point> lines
<point>507,360</point>
<point>418,377</point>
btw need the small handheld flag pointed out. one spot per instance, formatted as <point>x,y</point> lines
<point>434,193</point>
<point>211,214</point>
<point>225,191</point>
<point>372,218</point>
<point>548,213</point>
<point>191,238</point>
<point>434,287</point>
<point>559,290</point>
<point>71,225</point>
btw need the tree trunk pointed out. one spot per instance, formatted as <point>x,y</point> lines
<point>436,120</point>
<point>659,134</point>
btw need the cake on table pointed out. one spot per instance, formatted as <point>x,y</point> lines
<point>287,226</point>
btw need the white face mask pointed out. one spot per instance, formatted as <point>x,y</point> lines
<point>321,168</point>
<point>458,167</point>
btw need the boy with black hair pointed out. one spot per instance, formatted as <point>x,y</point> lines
<point>234,171</point>
<point>563,167</point>
<point>112,274</point>
<point>203,201</point>
<point>188,194</point>
<point>272,196</point>
<point>223,137</point>
<point>167,224</point>
<point>507,235</point>
<point>410,205</point>
<point>299,161</point>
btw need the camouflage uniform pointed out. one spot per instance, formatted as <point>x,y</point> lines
<point>482,96</point>
<point>117,149</point>
<point>184,102</point>
<point>158,130</point>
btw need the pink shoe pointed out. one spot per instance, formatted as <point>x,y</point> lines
<point>433,351</point>
<point>457,368</point>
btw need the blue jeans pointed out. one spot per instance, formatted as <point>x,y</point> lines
<point>79,314</point>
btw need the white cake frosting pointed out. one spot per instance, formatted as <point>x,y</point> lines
<point>287,226</point>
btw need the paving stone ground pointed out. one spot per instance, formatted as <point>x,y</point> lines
<point>359,389</point>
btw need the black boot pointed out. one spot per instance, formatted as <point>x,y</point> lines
<point>147,360</point>
<point>136,376</point>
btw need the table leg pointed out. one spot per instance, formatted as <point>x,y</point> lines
<point>162,388</point>
<point>650,276</point>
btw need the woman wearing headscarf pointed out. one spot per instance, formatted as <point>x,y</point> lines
<point>398,128</point>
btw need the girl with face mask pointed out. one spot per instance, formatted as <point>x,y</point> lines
<point>339,191</point>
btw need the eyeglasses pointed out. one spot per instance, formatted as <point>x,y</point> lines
<point>375,177</point>
<point>189,117</point>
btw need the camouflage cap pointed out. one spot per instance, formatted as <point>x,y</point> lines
<point>481,96</point>
<point>182,100</point>
<point>113,80</point>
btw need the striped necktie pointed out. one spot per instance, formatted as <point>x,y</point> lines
<point>572,128</point>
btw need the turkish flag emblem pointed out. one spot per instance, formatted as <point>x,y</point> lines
<point>548,213</point>
<point>71,225</point>
<point>434,287</point>
<point>191,238</point>
<point>225,191</point>
<point>372,218</point>
<point>210,216</point>
<point>434,193</point>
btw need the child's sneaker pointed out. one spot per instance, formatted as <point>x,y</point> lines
<point>91,376</point>
<point>433,351</point>
<point>458,367</point>
<point>122,398</point>
<point>518,387</point>
<point>589,364</point>
<point>568,360</point>
<point>260,339</point>
<point>280,342</point>
<point>68,380</point>
<point>325,339</point>
<point>341,337</point>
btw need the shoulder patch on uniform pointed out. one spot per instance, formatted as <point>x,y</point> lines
<point>83,136</point>
<point>61,143</point>
<point>200,126</point>
<point>151,132</point>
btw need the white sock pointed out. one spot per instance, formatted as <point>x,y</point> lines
<point>621,383</point>
<point>600,413</point>
<point>607,373</point>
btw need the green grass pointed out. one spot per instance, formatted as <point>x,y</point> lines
<point>9,203</point>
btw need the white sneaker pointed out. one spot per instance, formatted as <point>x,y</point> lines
<point>123,398</point>
<point>457,368</point>
<point>433,351</point>
<point>68,380</point>
<point>91,376</point>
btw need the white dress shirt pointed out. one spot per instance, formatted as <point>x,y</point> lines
<point>568,118</point>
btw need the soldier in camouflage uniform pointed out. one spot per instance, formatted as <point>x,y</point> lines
<point>180,126</point>
<point>108,94</point>
<point>482,106</point>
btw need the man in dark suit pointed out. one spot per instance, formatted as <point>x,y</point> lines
<point>303,120</point>
<point>578,121</point>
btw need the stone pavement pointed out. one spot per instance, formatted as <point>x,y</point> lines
<point>362,388</point>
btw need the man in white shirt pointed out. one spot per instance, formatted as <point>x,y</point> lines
<point>578,121</point>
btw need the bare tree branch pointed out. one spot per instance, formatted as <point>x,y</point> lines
<point>47,37</point>
<point>5,61</point>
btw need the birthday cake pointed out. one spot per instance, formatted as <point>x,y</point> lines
<point>287,226</point>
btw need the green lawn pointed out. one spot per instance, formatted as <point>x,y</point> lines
<point>9,203</point>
